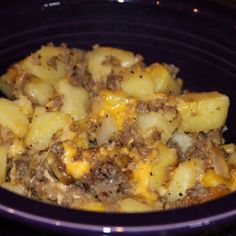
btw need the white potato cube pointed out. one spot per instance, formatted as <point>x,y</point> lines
<point>163,81</point>
<point>137,83</point>
<point>39,91</point>
<point>98,61</point>
<point>25,105</point>
<point>75,99</point>
<point>202,111</point>
<point>46,64</point>
<point>167,157</point>
<point>44,127</point>
<point>184,177</point>
<point>165,122</point>
<point>12,117</point>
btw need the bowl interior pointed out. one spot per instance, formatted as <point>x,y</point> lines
<point>199,38</point>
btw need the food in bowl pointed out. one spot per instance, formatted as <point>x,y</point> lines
<point>100,130</point>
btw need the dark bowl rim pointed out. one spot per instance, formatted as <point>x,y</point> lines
<point>39,213</point>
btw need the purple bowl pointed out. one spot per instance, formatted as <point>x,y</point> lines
<point>197,36</point>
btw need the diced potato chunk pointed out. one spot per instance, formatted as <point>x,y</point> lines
<point>163,81</point>
<point>229,148</point>
<point>38,111</point>
<point>74,168</point>
<point>183,140</point>
<point>46,64</point>
<point>75,99</point>
<point>16,148</point>
<point>39,91</point>
<point>166,123</point>
<point>76,55</point>
<point>116,105</point>
<point>102,59</point>
<point>107,129</point>
<point>185,177</point>
<point>13,118</point>
<point>25,105</point>
<point>44,127</point>
<point>130,205</point>
<point>232,159</point>
<point>211,179</point>
<point>167,157</point>
<point>3,163</point>
<point>139,88</point>
<point>141,175</point>
<point>15,188</point>
<point>116,101</point>
<point>77,168</point>
<point>138,84</point>
<point>202,111</point>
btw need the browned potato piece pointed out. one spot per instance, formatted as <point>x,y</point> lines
<point>202,111</point>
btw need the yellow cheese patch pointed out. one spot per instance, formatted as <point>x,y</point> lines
<point>93,206</point>
<point>78,168</point>
<point>141,176</point>
<point>211,179</point>
<point>75,168</point>
<point>116,105</point>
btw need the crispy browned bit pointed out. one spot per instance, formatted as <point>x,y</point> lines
<point>57,149</point>
<point>142,107</point>
<point>58,169</point>
<point>36,59</point>
<point>75,127</point>
<point>130,137</point>
<point>114,81</point>
<point>6,135</point>
<point>197,195</point>
<point>123,160</point>
<point>139,61</point>
<point>52,62</point>
<point>111,60</point>
<point>22,169</point>
<point>202,144</point>
<point>172,69</point>
<point>174,145</point>
<point>78,76</point>
<point>156,135</point>
<point>160,105</point>
<point>109,182</point>
<point>92,127</point>
<point>19,81</point>
<point>93,87</point>
<point>55,104</point>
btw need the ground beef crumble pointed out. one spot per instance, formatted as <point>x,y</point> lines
<point>108,181</point>
<point>114,81</point>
